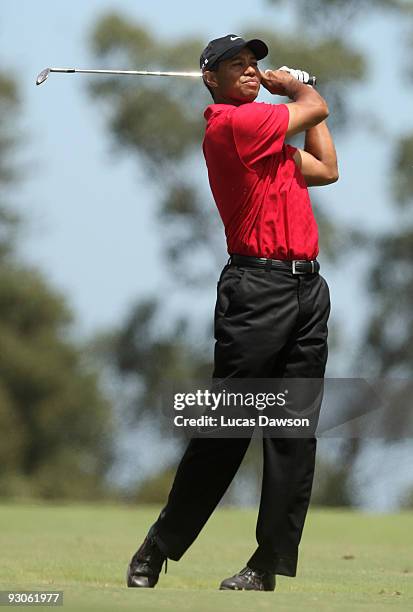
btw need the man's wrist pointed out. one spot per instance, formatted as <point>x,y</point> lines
<point>295,89</point>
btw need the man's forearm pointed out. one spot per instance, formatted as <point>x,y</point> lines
<point>319,142</point>
<point>304,94</point>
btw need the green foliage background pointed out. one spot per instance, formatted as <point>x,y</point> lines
<point>58,419</point>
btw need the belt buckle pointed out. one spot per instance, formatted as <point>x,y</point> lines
<point>294,269</point>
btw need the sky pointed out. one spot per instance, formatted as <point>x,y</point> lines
<point>90,212</point>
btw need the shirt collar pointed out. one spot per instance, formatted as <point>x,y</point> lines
<point>215,109</point>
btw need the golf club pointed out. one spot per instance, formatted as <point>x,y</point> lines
<point>45,73</point>
<point>42,76</point>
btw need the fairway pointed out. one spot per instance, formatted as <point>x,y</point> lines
<point>348,561</point>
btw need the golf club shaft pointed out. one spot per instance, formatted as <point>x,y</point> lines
<point>131,72</point>
<point>45,73</point>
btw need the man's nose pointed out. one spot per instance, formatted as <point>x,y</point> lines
<point>250,69</point>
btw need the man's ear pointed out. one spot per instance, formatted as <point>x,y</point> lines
<point>210,78</point>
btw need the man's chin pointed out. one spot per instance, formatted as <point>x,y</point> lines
<point>250,99</point>
<point>247,97</point>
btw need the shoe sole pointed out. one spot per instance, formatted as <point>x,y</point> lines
<point>238,589</point>
<point>230,589</point>
<point>224,588</point>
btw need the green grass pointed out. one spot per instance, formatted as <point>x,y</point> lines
<point>84,550</point>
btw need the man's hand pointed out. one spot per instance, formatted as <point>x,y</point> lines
<point>274,82</point>
<point>299,75</point>
<point>277,82</point>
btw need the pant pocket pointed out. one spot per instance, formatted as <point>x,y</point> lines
<point>228,289</point>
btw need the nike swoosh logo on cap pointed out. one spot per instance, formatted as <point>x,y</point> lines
<point>234,37</point>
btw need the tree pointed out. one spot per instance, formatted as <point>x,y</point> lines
<point>8,105</point>
<point>389,337</point>
<point>55,423</point>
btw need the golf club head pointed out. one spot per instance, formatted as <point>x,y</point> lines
<point>42,76</point>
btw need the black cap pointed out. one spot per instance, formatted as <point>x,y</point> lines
<point>228,46</point>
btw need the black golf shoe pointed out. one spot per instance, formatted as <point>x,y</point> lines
<point>249,580</point>
<point>145,565</point>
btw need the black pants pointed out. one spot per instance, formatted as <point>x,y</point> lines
<point>268,323</point>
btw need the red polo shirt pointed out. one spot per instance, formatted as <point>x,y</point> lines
<point>260,192</point>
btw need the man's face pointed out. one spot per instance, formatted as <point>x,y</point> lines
<point>237,79</point>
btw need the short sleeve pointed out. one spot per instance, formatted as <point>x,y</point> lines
<point>259,130</point>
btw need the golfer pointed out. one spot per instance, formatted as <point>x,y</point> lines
<point>272,304</point>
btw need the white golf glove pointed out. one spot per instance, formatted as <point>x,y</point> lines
<point>300,75</point>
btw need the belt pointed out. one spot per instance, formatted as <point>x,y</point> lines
<point>296,266</point>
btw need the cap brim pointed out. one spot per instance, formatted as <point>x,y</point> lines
<point>258,47</point>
